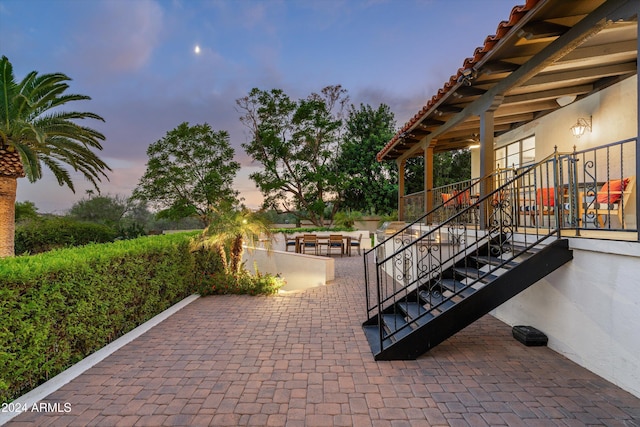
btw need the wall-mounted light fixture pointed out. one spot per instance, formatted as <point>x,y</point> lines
<point>581,126</point>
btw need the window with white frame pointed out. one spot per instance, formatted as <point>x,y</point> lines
<point>517,154</point>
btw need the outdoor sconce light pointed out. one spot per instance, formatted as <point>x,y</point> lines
<point>581,125</point>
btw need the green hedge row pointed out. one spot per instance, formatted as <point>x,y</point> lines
<point>58,307</point>
<point>44,234</point>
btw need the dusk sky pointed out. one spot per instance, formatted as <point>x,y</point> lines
<point>137,60</point>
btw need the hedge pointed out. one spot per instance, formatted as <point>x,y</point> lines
<point>58,307</point>
<point>44,234</point>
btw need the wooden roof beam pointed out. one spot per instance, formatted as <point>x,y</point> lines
<point>498,120</point>
<point>581,53</point>
<point>548,94</point>
<point>542,30</point>
<point>446,109</point>
<point>498,67</point>
<point>582,74</point>
<point>467,91</point>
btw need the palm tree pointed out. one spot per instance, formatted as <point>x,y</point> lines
<point>231,227</point>
<point>35,132</point>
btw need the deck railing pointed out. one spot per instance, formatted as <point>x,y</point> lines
<point>602,187</point>
<point>574,192</point>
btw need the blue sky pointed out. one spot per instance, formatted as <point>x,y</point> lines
<point>136,60</point>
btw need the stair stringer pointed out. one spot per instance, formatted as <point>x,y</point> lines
<point>485,299</point>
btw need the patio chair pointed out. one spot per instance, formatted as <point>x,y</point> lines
<point>463,201</point>
<point>290,242</point>
<point>611,200</point>
<point>448,199</point>
<point>545,203</point>
<point>309,241</point>
<point>335,242</point>
<point>448,204</point>
<point>355,243</point>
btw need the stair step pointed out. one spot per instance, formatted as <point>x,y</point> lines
<point>492,260</point>
<point>442,305</point>
<point>474,273</point>
<point>394,322</point>
<point>415,310</point>
<point>457,287</point>
<point>430,298</point>
<point>446,304</point>
<point>516,248</point>
<point>373,336</point>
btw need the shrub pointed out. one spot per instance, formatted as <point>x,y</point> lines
<point>60,306</point>
<point>347,219</point>
<point>44,234</point>
<point>210,278</point>
<point>221,283</point>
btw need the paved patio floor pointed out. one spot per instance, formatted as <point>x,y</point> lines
<point>302,360</point>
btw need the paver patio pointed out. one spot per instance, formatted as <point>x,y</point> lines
<point>301,359</point>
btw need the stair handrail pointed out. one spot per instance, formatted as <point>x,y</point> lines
<point>495,197</point>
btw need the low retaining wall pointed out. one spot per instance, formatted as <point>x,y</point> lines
<point>300,271</point>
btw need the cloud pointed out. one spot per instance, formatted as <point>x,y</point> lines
<point>120,37</point>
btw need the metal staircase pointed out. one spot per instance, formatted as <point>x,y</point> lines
<point>428,281</point>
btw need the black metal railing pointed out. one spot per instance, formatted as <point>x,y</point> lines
<point>415,257</point>
<point>601,187</point>
<point>449,195</point>
<point>503,214</point>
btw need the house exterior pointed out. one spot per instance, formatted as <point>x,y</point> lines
<point>558,81</point>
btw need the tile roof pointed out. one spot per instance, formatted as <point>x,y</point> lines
<point>517,13</point>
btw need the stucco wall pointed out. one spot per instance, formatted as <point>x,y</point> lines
<point>589,309</point>
<point>300,271</point>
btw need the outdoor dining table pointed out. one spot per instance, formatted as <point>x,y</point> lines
<point>323,239</point>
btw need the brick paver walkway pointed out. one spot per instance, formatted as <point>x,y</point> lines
<point>302,360</point>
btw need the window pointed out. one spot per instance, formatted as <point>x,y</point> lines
<point>517,154</point>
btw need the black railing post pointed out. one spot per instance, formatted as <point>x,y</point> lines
<point>556,192</point>
<point>575,209</point>
<point>379,302</point>
<point>366,281</point>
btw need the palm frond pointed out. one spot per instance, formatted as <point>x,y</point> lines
<point>61,174</point>
<point>43,136</point>
<point>30,162</point>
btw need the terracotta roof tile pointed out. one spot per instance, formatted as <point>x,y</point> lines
<point>517,13</point>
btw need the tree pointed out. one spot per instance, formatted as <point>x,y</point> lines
<point>367,185</point>
<point>107,210</point>
<point>230,227</point>
<point>34,131</point>
<point>296,142</point>
<point>25,210</point>
<point>189,170</point>
<point>449,167</point>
